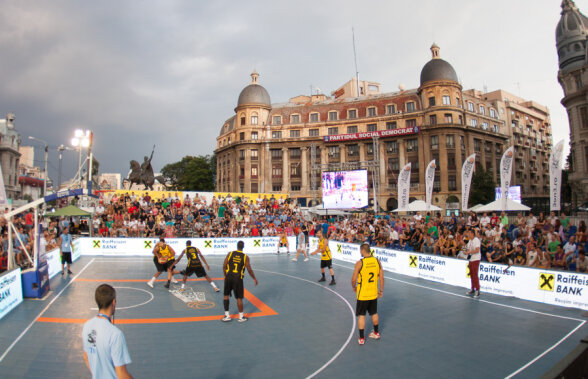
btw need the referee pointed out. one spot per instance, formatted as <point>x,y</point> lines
<point>366,275</point>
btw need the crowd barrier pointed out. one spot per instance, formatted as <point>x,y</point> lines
<point>562,288</point>
<point>10,291</point>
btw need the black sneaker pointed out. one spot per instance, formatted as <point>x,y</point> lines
<point>322,280</point>
<point>470,292</point>
<point>69,272</point>
<point>166,285</point>
<point>62,273</point>
<point>333,282</point>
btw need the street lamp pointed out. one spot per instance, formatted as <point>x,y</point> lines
<point>61,148</point>
<point>46,157</point>
<point>83,139</point>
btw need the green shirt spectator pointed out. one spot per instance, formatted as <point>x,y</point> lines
<point>565,221</point>
<point>221,211</point>
<point>165,204</point>
<point>552,246</point>
<point>504,221</point>
<point>433,229</point>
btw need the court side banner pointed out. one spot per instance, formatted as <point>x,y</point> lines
<point>10,291</point>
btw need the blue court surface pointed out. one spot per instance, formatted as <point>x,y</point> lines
<point>297,328</point>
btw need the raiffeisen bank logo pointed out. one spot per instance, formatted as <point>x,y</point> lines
<point>429,263</point>
<point>563,283</point>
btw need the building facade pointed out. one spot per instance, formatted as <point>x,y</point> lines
<point>10,156</point>
<point>283,147</point>
<point>571,42</point>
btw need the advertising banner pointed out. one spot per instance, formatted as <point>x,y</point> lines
<point>10,291</point>
<point>429,180</point>
<point>53,260</point>
<point>369,135</point>
<point>555,166</point>
<point>404,187</point>
<point>467,171</point>
<point>506,174</point>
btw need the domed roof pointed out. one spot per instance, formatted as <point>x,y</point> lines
<point>254,93</point>
<point>437,68</point>
<point>570,36</point>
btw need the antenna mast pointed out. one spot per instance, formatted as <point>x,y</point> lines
<point>355,60</point>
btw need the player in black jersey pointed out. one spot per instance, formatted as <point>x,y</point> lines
<point>233,269</point>
<point>194,265</point>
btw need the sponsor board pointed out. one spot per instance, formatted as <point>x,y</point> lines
<point>10,291</point>
<point>53,259</point>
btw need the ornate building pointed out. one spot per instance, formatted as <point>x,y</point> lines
<point>9,156</point>
<point>570,36</point>
<point>283,147</point>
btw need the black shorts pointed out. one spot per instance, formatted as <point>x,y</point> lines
<point>199,271</point>
<point>161,267</point>
<point>283,244</point>
<point>328,263</point>
<point>234,284</point>
<point>66,257</point>
<point>371,306</point>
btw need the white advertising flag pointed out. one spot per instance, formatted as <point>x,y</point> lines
<point>467,171</point>
<point>3,199</point>
<point>429,180</point>
<point>555,166</point>
<point>404,187</point>
<point>506,174</point>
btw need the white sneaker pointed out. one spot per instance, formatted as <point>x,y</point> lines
<point>294,260</point>
<point>150,283</point>
<point>226,319</point>
<point>174,281</point>
<point>242,319</point>
<point>216,289</point>
<point>305,259</point>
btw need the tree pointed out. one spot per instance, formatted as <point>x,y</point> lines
<point>483,187</point>
<point>191,173</point>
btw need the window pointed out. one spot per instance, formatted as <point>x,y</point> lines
<point>333,131</point>
<point>276,153</point>
<point>488,147</point>
<point>351,129</point>
<point>353,150</point>
<point>412,145</point>
<point>372,127</point>
<point>295,187</point>
<point>254,120</point>
<point>462,143</point>
<point>437,184</point>
<point>391,125</point>
<point>446,100</point>
<point>477,145</point>
<point>295,153</point>
<point>295,170</point>
<point>276,171</point>
<point>492,113</point>
<point>393,164</point>
<point>432,101</point>
<point>452,183</point>
<point>450,141</point>
<point>457,102</point>
<point>333,151</point>
<point>333,116</point>
<point>470,106</point>
<point>390,109</point>
<point>313,132</point>
<point>460,120</point>
<point>578,80</point>
<point>254,154</point>
<point>352,113</point>
<point>371,112</point>
<point>241,136</point>
<point>495,128</point>
<point>482,110</point>
<point>241,155</point>
<point>276,187</point>
<point>451,161</point>
<point>295,119</point>
<point>435,143</point>
<point>584,116</point>
<point>276,134</point>
<point>410,106</point>
<point>411,123</point>
<point>474,122</point>
<point>433,119</point>
<point>242,120</point>
<point>392,147</point>
<point>253,135</point>
<point>276,120</point>
<point>314,117</point>
<point>294,133</point>
<point>254,172</point>
<point>370,148</point>
<point>448,118</point>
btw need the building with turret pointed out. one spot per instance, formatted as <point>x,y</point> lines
<point>571,41</point>
<point>283,147</point>
<point>10,156</point>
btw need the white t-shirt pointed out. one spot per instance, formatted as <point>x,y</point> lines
<point>484,221</point>
<point>472,245</point>
<point>531,257</point>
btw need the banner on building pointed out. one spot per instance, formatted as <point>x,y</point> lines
<point>467,171</point>
<point>429,180</point>
<point>404,187</point>
<point>555,166</point>
<point>3,199</point>
<point>506,174</point>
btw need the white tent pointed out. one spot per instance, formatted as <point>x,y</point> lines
<point>418,206</point>
<point>496,206</point>
<point>319,210</point>
<point>475,208</point>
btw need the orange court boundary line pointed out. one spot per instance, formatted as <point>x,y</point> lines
<point>264,309</point>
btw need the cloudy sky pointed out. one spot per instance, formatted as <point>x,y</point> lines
<point>169,72</point>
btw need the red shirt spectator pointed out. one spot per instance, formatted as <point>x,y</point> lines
<point>255,231</point>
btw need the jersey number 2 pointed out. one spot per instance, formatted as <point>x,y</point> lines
<point>371,279</point>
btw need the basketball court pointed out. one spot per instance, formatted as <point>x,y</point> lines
<point>297,328</point>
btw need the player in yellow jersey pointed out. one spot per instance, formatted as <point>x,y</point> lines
<point>367,274</point>
<point>326,258</point>
<point>163,258</point>
<point>233,268</point>
<point>195,260</point>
